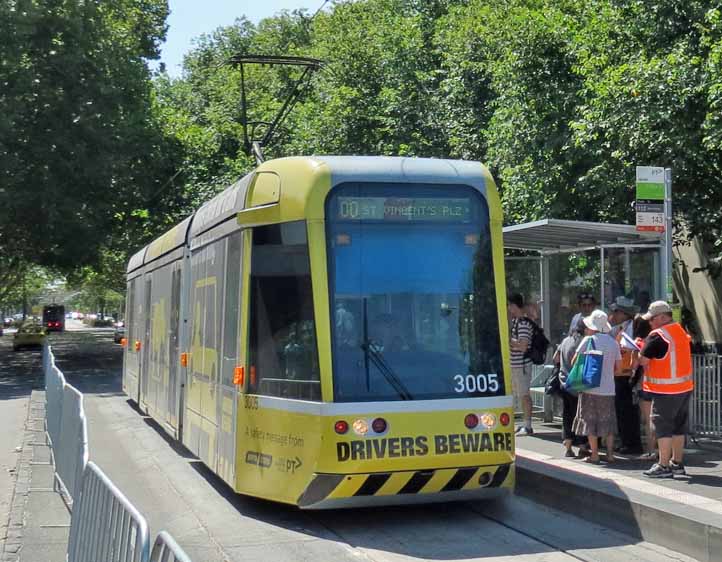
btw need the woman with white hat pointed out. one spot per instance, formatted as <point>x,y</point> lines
<point>595,412</point>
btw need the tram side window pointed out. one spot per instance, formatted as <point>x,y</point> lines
<point>283,355</point>
<point>231,309</point>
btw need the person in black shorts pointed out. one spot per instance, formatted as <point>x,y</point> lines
<point>667,358</point>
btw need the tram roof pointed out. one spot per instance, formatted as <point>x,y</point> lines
<point>222,207</point>
<point>421,170</point>
<point>236,198</point>
<point>136,259</point>
<point>550,236</point>
<point>169,241</point>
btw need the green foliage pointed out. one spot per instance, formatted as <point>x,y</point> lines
<point>562,98</point>
<point>21,281</point>
<point>78,149</point>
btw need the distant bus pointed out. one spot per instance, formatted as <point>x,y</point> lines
<point>54,317</point>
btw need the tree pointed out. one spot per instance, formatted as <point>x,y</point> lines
<point>77,145</point>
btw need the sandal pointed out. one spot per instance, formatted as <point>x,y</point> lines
<point>590,460</point>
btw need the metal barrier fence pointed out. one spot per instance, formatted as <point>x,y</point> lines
<point>705,410</point>
<point>54,383</point>
<point>72,454</point>
<point>66,428</point>
<point>105,525</point>
<point>166,549</point>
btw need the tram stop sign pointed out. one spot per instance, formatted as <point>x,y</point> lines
<point>650,199</point>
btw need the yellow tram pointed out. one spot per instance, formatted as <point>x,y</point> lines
<point>330,332</point>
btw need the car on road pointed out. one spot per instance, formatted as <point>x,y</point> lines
<point>119,332</point>
<point>30,334</point>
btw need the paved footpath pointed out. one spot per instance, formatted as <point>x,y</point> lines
<point>34,518</point>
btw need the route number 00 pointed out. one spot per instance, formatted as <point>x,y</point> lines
<point>476,383</point>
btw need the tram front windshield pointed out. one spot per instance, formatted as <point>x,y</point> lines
<point>413,294</point>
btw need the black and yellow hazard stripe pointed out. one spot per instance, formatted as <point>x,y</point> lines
<point>335,486</point>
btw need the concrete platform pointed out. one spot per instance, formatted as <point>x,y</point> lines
<point>683,514</point>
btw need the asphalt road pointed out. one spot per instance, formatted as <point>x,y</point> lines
<point>177,493</point>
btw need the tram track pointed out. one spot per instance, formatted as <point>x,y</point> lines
<point>510,539</point>
<point>529,535</point>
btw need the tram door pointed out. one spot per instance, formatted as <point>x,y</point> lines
<point>174,347</point>
<point>133,318</point>
<point>205,399</point>
<point>227,405</point>
<point>145,345</point>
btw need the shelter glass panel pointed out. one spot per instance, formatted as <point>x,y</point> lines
<point>523,276</point>
<point>630,272</point>
<point>571,276</point>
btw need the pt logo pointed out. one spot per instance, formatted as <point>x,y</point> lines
<point>288,465</point>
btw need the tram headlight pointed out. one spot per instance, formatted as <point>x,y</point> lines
<point>504,419</point>
<point>487,420</point>
<point>361,427</point>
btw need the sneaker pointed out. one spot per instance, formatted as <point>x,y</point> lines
<point>658,471</point>
<point>524,431</point>
<point>649,456</point>
<point>677,468</point>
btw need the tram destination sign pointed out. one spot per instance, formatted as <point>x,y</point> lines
<point>650,199</point>
<point>404,209</point>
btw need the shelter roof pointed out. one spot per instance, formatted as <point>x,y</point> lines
<point>558,236</point>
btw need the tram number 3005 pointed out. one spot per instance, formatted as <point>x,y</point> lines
<point>476,383</point>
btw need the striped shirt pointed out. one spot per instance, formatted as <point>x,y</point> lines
<point>520,330</point>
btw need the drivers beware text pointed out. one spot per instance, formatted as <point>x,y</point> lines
<point>393,447</point>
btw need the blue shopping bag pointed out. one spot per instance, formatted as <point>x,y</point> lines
<point>586,373</point>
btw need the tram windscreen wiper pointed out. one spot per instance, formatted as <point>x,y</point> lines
<point>378,360</point>
<point>375,357</point>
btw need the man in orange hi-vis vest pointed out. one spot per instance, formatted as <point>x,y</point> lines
<point>667,360</point>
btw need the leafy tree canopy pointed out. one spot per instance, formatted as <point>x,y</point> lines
<point>562,98</point>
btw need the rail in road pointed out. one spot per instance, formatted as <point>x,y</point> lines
<point>176,492</point>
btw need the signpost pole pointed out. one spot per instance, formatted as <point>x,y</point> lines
<point>668,234</point>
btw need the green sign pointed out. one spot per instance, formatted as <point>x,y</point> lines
<point>650,191</point>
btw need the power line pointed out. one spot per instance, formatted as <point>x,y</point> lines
<point>318,11</point>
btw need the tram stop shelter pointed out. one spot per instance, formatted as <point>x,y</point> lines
<point>552,261</point>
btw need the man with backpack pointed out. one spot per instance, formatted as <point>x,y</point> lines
<point>522,331</point>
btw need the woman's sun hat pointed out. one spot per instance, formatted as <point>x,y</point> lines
<point>598,321</point>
